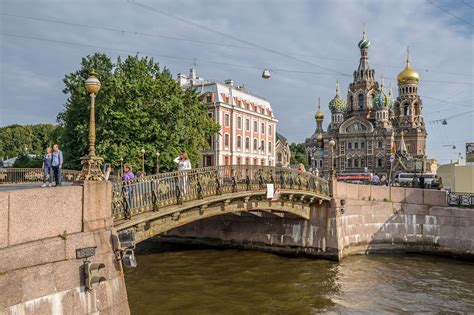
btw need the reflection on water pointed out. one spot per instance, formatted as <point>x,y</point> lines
<point>247,282</point>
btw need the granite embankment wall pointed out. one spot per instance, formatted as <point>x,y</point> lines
<point>375,219</point>
<point>40,230</point>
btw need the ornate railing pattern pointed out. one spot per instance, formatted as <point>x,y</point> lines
<point>30,175</point>
<point>461,199</point>
<point>153,192</point>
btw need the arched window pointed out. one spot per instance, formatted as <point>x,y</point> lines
<point>226,140</point>
<point>279,157</point>
<point>247,143</point>
<point>255,144</point>
<point>406,110</point>
<point>239,142</point>
<point>361,101</point>
<point>351,102</point>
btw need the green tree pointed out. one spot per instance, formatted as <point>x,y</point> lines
<point>139,106</point>
<point>16,140</point>
<point>298,154</point>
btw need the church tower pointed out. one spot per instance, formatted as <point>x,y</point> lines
<point>338,108</point>
<point>408,111</point>
<point>319,117</point>
<point>362,90</point>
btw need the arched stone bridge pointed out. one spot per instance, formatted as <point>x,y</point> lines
<point>158,203</point>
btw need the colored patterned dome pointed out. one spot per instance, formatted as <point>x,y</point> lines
<point>364,42</point>
<point>408,75</point>
<point>337,104</point>
<point>382,100</point>
<point>319,114</point>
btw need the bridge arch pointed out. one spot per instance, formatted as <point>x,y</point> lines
<point>159,203</point>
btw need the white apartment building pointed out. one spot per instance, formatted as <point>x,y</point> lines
<point>248,126</point>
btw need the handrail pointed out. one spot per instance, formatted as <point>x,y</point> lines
<point>461,199</point>
<point>12,175</point>
<point>150,193</point>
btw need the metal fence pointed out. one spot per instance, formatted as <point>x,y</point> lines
<point>461,199</point>
<point>31,175</point>
<point>161,190</point>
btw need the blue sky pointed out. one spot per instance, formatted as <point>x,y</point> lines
<point>322,33</point>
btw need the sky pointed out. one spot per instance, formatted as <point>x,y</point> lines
<point>307,45</point>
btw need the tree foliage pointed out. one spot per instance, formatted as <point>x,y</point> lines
<point>139,106</point>
<point>298,154</point>
<point>17,140</point>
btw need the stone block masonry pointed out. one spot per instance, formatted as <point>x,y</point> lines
<point>374,219</point>
<point>40,231</point>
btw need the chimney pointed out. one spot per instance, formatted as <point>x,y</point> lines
<point>229,82</point>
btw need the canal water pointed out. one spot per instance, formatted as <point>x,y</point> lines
<point>212,281</point>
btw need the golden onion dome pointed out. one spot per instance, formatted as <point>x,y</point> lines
<point>408,75</point>
<point>319,114</point>
<point>319,137</point>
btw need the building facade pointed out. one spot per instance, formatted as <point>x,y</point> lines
<point>370,125</point>
<point>282,151</point>
<point>248,126</point>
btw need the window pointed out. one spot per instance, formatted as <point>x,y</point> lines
<point>255,126</point>
<point>254,161</point>
<point>269,147</point>
<point>349,145</point>
<point>379,144</point>
<point>238,161</point>
<point>239,122</point>
<point>226,140</point>
<point>247,124</point>
<point>210,114</point>
<point>406,110</point>
<point>262,145</point>
<point>356,145</point>
<point>320,163</point>
<point>262,129</point>
<point>279,157</point>
<point>226,160</point>
<point>226,120</point>
<point>263,162</point>
<point>239,142</point>
<point>362,162</point>
<point>247,161</point>
<point>208,160</point>
<point>356,162</point>
<point>351,103</point>
<point>349,162</point>
<point>247,143</point>
<point>379,162</point>
<point>255,144</point>
<point>361,101</point>
<point>362,145</point>
<point>269,130</point>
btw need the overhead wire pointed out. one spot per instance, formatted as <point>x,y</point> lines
<point>453,15</point>
<point>137,33</point>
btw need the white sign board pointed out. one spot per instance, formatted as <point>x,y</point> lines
<point>270,191</point>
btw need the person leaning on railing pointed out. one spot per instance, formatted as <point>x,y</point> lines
<point>184,164</point>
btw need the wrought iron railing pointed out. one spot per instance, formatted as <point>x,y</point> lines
<point>461,199</point>
<point>31,175</point>
<point>150,193</point>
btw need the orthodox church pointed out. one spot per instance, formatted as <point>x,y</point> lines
<point>371,125</point>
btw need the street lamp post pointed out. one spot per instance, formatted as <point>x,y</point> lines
<point>91,164</point>
<point>142,151</point>
<point>157,162</point>
<point>332,143</point>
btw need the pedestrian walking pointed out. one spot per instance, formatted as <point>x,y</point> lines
<point>422,182</point>
<point>57,164</point>
<point>47,168</point>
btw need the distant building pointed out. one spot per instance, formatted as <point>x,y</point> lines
<point>282,151</point>
<point>370,124</point>
<point>248,126</point>
<point>11,161</point>
<point>457,178</point>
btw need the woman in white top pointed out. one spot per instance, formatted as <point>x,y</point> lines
<point>184,164</point>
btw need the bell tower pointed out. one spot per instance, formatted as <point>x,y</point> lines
<point>408,110</point>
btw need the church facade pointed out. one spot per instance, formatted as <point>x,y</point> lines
<point>370,125</point>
